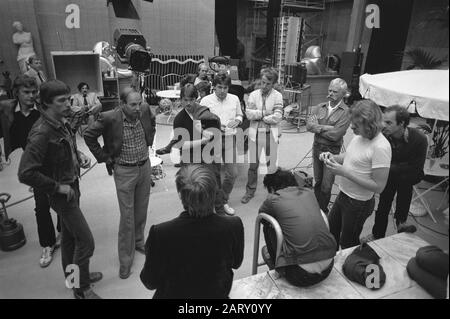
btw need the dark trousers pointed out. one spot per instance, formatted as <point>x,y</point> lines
<point>229,165</point>
<point>323,177</point>
<point>430,269</point>
<point>402,185</point>
<point>77,242</point>
<point>347,217</point>
<point>266,141</point>
<point>45,227</point>
<point>294,274</point>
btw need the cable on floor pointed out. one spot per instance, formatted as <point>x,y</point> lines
<point>31,196</point>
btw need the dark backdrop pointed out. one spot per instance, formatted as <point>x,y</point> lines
<point>388,42</point>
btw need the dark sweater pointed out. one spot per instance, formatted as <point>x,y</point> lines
<point>184,122</point>
<point>408,155</point>
<point>20,128</point>
<point>306,236</point>
<point>191,257</point>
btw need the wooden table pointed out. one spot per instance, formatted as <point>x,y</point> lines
<point>395,252</point>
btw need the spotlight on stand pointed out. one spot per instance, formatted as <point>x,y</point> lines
<point>130,46</point>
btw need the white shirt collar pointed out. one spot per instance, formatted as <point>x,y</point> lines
<point>17,109</point>
<point>329,104</point>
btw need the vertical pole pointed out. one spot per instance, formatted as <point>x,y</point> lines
<point>256,245</point>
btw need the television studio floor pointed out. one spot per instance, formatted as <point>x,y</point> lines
<point>21,276</point>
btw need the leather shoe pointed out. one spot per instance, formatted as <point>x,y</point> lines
<point>86,294</point>
<point>405,228</point>
<point>141,250</point>
<point>95,276</point>
<point>124,272</point>
<point>246,199</point>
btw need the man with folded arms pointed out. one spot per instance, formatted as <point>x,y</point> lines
<point>329,123</point>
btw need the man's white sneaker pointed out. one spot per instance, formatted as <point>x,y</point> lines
<point>230,211</point>
<point>47,257</point>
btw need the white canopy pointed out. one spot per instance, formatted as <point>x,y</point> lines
<point>427,89</point>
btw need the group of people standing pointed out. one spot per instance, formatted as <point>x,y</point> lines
<point>384,157</point>
<point>193,255</point>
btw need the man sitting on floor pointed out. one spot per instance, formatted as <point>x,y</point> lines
<point>308,248</point>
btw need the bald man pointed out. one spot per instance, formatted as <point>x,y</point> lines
<point>127,132</point>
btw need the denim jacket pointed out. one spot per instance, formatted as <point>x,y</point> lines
<point>50,157</point>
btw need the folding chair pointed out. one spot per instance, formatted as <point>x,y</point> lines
<point>278,233</point>
<point>153,82</point>
<point>170,79</point>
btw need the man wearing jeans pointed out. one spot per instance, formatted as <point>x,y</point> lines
<point>127,132</point>
<point>51,163</point>
<point>17,117</point>
<point>228,108</point>
<point>363,171</point>
<point>329,123</point>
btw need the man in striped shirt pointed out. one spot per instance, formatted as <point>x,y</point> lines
<point>265,112</point>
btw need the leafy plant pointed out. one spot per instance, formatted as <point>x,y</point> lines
<point>440,141</point>
<point>421,59</point>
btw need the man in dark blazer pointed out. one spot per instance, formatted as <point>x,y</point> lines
<point>192,256</point>
<point>127,132</point>
<point>17,117</point>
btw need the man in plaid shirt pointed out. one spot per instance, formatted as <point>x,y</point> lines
<point>127,132</point>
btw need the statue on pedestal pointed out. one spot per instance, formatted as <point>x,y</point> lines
<point>24,41</point>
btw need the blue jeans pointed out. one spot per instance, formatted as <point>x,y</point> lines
<point>323,177</point>
<point>347,219</point>
<point>77,242</point>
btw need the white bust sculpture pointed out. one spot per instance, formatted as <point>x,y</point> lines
<point>24,41</point>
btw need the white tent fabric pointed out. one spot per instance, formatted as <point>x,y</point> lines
<point>427,89</point>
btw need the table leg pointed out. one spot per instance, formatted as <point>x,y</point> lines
<point>443,198</point>
<point>420,196</point>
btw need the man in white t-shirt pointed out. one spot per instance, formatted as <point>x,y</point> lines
<point>363,171</point>
<point>228,108</point>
